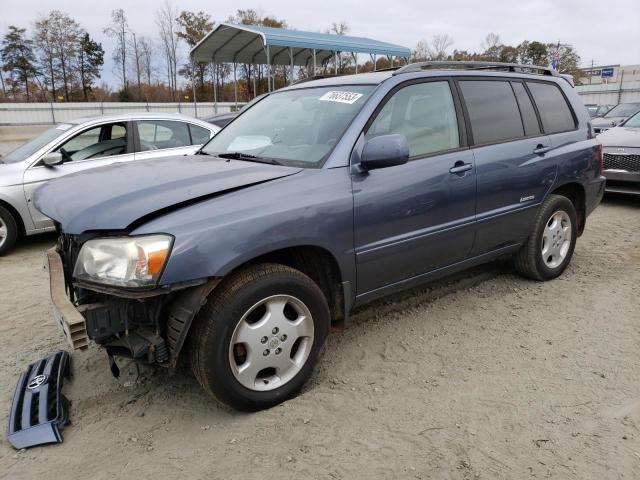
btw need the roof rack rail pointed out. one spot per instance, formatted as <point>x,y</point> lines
<point>499,66</point>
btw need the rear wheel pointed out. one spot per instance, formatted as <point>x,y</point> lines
<point>549,248</point>
<point>8,231</point>
<point>256,341</point>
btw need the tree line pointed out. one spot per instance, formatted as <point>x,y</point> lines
<point>58,60</point>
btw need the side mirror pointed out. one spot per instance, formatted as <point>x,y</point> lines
<point>52,159</point>
<point>384,151</point>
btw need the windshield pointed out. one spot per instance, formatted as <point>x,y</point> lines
<point>623,110</point>
<point>23,151</point>
<point>633,122</point>
<point>295,127</point>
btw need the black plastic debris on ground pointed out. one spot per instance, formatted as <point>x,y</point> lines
<point>39,410</point>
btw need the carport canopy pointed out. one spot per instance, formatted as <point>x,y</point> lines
<point>256,44</point>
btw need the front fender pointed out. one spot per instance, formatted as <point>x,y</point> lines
<point>213,237</point>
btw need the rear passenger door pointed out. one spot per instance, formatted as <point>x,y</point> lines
<point>414,218</point>
<point>161,138</point>
<point>512,167</point>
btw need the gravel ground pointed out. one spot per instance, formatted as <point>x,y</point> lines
<point>499,378</point>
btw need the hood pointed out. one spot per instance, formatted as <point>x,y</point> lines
<point>116,196</point>
<point>620,137</point>
<point>607,122</point>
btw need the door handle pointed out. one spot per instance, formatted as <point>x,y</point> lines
<point>541,149</point>
<point>460,167</point>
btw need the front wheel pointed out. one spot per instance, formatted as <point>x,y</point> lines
<point>8,231</point>
<point>256,341</point>
<point>549,248</point>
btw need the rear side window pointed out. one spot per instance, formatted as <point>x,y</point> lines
<point>529,119</point>
<point>199,135</point>
<point>493,110</point>
<point>554,112</point>
<point>160,134</point>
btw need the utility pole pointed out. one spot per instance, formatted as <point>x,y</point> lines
<point>591,72</point>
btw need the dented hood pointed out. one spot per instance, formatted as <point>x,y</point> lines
<point>116,196</point>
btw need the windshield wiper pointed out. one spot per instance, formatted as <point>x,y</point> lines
<point>248,157</point>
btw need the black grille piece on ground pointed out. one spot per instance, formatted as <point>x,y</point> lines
<point>39,410</point>
<point>630,163</point>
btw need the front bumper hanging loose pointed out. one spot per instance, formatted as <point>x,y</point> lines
<point>39,410</point>
<point>69,319</point>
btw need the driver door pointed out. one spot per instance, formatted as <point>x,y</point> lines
<point>93,147</point>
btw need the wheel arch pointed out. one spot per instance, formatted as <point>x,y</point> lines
<point>575,192</point>
<point>16,216</point>
<point>317,263</point>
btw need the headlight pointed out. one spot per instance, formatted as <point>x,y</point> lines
<point>123,261</point>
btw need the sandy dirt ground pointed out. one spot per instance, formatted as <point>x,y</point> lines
<point>501,378</point>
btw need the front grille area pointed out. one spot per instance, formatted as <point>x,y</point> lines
<point>630,163</point>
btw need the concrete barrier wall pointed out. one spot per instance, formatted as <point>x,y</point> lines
<point>52,113</point>
<point>611,93</point>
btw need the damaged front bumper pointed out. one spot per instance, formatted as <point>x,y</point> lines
<point>67,316</point>
<point>39,410</point>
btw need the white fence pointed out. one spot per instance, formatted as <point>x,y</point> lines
<point>52,113</point>
<point>610,93</point>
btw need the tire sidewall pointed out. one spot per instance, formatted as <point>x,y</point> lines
<point>12,230</point>
<point>555,204</point>
<point>225,385</point>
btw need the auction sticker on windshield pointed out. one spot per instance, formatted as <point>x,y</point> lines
<point>341,97</point>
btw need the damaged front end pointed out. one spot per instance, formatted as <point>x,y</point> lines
<point>145,325</point>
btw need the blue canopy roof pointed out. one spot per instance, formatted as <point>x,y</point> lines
<point>228,42</point>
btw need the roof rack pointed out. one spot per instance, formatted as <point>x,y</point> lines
<point>498,66</point>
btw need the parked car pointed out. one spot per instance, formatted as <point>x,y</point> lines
<point>598,110</point>
<point>615,116</point>
<point>80,145</point>
<point>221,119</point>
<point>318,198</point>
<point>621,148</point>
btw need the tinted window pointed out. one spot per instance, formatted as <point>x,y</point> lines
<point>159,134</point>
<point>552,106</point>
<point>493,111</point>
<point>424,113</point>
<point>529,119</point>
<point>199,135</point>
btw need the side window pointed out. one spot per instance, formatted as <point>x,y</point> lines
<point>424,113</point>
<point>159,134</point>
<point>554,112</point>
<point>97,142</point>
<point>529,118</point>
<point>493,111</point>
<point>199,135</point>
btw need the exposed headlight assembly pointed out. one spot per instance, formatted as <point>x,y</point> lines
<point>123,261</point>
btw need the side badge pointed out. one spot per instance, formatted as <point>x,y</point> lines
<point>525,199</point>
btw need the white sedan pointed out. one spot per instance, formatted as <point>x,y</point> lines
<point>80,145</point>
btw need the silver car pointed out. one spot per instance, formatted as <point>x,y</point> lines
<point>81,145</point>
<point>615,116</point>
<point>621,148</point>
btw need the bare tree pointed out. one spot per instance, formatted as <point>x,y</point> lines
<point>166,22</point>
<point>421,52</point>
<point>136,59</point>
<point>440,43</point>
<point>146,58</point>
<point>344,59</point>
<point>118,29</point>
<point>492,40</point>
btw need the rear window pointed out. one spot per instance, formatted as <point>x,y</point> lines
<point>493,110</point>
<point>554,111</point>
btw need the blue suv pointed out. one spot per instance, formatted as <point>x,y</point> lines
<point>317,198</point>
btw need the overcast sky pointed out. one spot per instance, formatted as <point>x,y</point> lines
<point>607,32</point>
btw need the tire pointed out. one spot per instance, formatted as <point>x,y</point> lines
<point>8,231</point>
<point>559,242</point>
<point>247,358</point>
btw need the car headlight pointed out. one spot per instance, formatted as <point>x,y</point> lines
<point>123,261</point>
